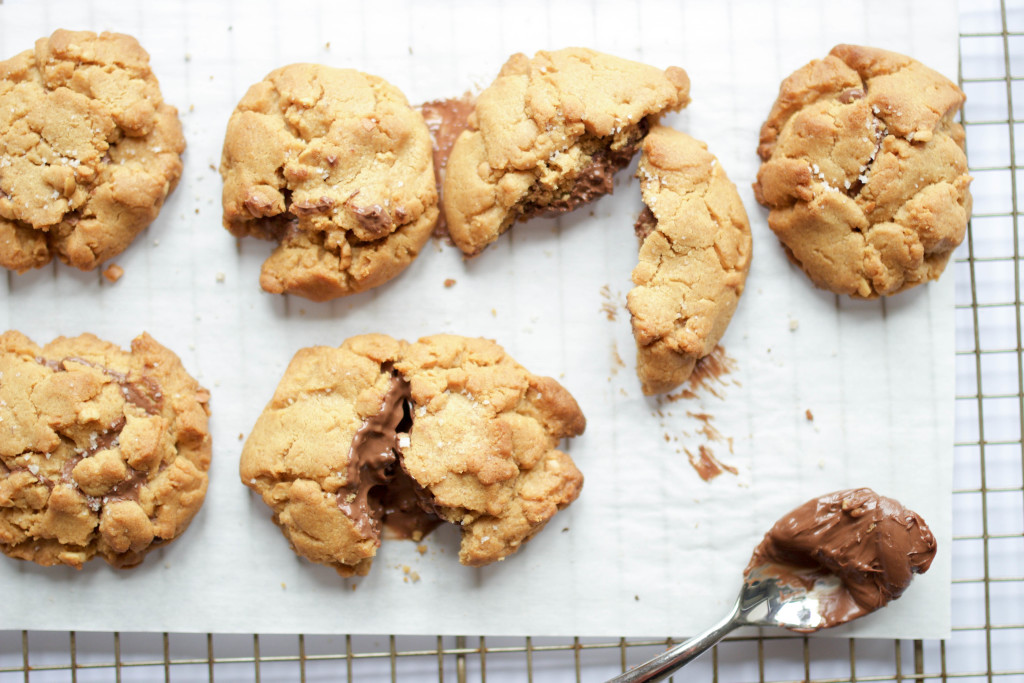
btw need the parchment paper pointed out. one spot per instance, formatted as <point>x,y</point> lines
<point>649,548</point>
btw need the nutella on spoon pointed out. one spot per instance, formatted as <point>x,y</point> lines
<point>833,559</point>
<point>870,543</point>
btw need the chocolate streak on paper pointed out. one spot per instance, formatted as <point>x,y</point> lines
<point>445,119</point>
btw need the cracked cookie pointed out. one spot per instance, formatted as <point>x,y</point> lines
<point>89,150</point>
<point>864,171</point>
<point>336,167</point>
<point>103,452</point>
<point>381,433</point>
<point>548,135</point>
<point>694,256</point>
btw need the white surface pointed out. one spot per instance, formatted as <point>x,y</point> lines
<point>650,548</point>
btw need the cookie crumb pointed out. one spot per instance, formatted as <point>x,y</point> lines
<point>809,415</point>
<point>421,549</point>
<point>220,277</point>
<point>284,586</point>
<point>240,436</point>
<point>494,313</point>
<point>327,45</point>
<point>450,282</point>
<point>113,272</point>
<point>637,598</point>
<point>794,325</point>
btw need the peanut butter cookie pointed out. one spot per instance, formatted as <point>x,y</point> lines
<point>694,257</point>
<point>336,167</point>
<point>383,433</point>
<point>102,451</point>
<point>89,150</point>
<point>548,135</point>
<point>864,171</point>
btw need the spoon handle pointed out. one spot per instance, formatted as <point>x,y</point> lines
<point>669,661</point>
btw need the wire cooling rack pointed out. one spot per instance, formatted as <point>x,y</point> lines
<point>988,544</point>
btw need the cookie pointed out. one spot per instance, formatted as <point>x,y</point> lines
<point>336,167</point>
<point>694,256</point>
<point>548,135</point>
<point>380,431</point>
<point>89,150</point>
<point>103,452</point>
<point>864,171</point>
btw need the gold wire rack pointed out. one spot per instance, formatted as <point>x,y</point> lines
<point>987,643</point>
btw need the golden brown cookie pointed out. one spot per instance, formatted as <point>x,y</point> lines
<point>336,167</point>
<point>88,149</point>
<point>102,451</point>
<point>864,171</point>
<point>548,135</point>
<point>694,257</point>
<point>378,432</point>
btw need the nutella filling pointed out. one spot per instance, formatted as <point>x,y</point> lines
<point>870,543</point>
<point>646,223</point>
<point>144,393</point>
<point>379,492</point>
<point>595,180</point>
<point>374,219</point>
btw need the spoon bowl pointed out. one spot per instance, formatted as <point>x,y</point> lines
<point>765,600</point>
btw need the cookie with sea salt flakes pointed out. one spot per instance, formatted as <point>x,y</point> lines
<point>694,256</point>
<point>864,171</point>
<point>89,150</point>
<point>336,167</point>
<point>383,434</point>
<point>548,135</point>
<point>103,452</point>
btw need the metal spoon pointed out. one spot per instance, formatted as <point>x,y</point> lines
<point>764,601</point>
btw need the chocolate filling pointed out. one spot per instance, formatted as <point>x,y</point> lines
<point>646,223</point>
<point>595,180</point>
<point>143,393</point>
<point>850,94</point>
<point>374,219</point>
<point>379,491</point>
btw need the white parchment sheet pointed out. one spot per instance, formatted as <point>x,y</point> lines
<point>649,548</point>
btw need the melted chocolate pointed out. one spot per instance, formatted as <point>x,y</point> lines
<point>595,180</point>
<point>374,219</point>
<point>380,493</point>
<point>706,464</point>
<point>408,508</point>
<point>371,458</point>
<point>871,543</point>
<point>645,224</point>
<point>446,119</point>
<point>143,393</point>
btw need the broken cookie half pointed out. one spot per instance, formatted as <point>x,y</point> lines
<point>694,256</point>
<point>548,136</point>
<point>383,434</point>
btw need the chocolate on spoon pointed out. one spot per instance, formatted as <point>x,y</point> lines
<point>829,561</point>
